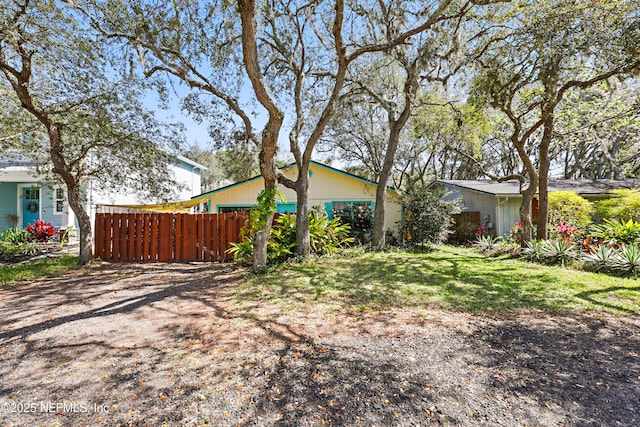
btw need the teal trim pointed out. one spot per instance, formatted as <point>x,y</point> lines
<point>328,208</point>
<point>208,193</point>
<point>290,207</point>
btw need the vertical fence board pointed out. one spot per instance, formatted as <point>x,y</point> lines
<point>190,238</point>
<point>222,236</point>
<point>140,229</point>
<point>165,231</point>
<point>108,225</point>
<point>153,238</point>
<point>146,230</point>
<point>131,237</point>
<point>98,233</point>
<point>215,236</point>
<point>178,238</point>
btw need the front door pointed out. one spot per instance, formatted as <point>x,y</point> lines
<point>30,205</point>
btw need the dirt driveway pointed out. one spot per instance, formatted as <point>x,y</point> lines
<point>173,345</point>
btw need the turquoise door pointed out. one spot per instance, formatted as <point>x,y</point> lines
<point>286,207</point>
<point>30,205</point>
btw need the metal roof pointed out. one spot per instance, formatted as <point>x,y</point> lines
<point>512,188</point>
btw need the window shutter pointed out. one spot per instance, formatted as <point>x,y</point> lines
<point>328,207</point>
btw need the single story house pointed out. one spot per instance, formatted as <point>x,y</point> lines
<point>499,202</point>
<point>25,196</point>
<point>337,192</point>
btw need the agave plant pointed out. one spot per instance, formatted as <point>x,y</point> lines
<point>533,251</point>
<point>487,244</point>
<point>601,258</point>
<point>627,260</point>
<point>558,252</point>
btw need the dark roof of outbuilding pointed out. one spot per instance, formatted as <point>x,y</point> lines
<point>512,188</point>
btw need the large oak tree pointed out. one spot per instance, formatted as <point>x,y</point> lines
<point>67,105</point>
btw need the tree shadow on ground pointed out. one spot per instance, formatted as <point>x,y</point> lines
<point>468,284</point>
<point>585,365</point>
<point>180,345</point>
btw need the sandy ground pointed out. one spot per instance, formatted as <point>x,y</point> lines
<point>151,345</point>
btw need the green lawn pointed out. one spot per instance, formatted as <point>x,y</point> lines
<point>43,268</point>
<point>449,277</point>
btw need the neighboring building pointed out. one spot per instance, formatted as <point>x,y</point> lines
<point>337,192</point>
<point>499,202</point>
<point>25,196</point>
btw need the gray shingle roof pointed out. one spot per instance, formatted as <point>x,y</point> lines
<point>5,163</point>
<point>512,188</point>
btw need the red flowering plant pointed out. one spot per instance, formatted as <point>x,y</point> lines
<point>516,231</point>
<point>482,231</point>
<point>41,231</point>
<point>566,232</point>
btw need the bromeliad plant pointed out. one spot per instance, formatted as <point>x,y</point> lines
<point>41,231</point>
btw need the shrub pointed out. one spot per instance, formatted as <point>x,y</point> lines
<point>427,217</point>
<point>41,231</point>
<point>623,206</point>
<point>21,248</point>
<point>326,237</point>
<point>617,232</point>
<point>15,235</point>
<point>14,241</point>
<point>565,232</point>
<point>568,207</point>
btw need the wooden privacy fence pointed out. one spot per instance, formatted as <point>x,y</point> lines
<point>465,226</point>
<point>166,237</point>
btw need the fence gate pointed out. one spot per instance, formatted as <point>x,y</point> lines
<point>166,237</point>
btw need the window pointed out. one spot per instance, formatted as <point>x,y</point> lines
<point>32,193</point>
<point>359,215</point>
<point>58,201</point>
<point>231,209</point>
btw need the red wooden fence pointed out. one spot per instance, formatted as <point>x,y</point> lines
<point>166,237</point>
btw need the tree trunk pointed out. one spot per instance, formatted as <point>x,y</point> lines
<point>303,238</point>
<point>410,88</point>
<point>84,223</point>
<point>20,83</point>
<point>543,179</point>
<point>261,238</point>
<point>269,143</point>
<point>525,212</point>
